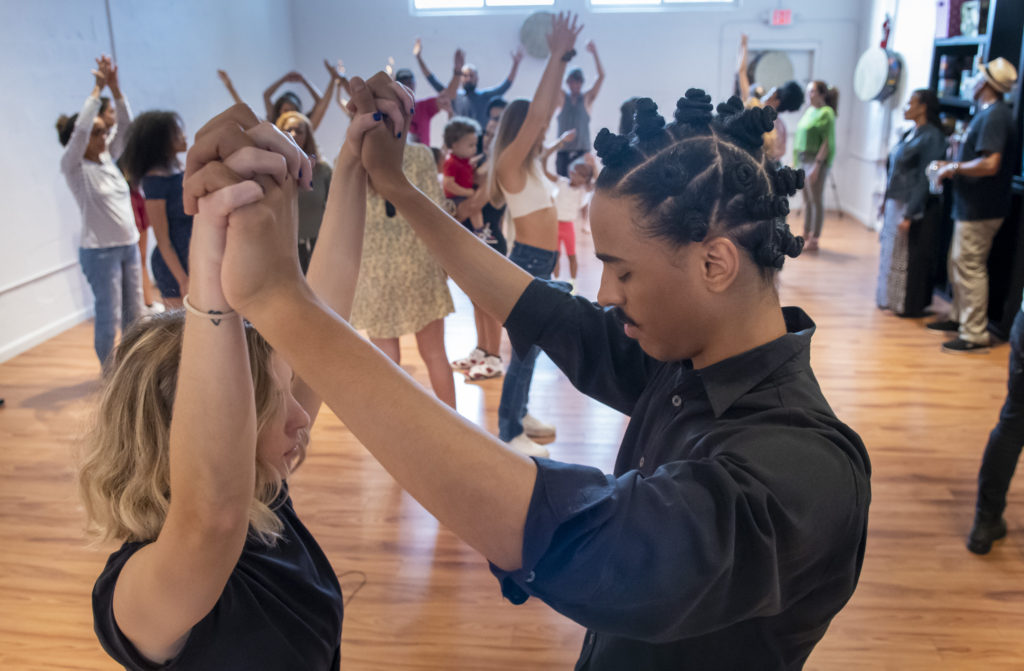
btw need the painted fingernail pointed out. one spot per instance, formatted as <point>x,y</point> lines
<point>412,110</point>
<point>300,172</point>
<point>377,116</point>
<point>399,134</point>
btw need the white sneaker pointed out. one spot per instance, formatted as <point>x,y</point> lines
<point>475,357</point>
<point>491,367</point>
<point>528,447</point>
<point>535,428</point>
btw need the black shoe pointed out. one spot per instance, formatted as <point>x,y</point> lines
<point>960,346</point>
<point>943,325</point>
<point>985,531</point>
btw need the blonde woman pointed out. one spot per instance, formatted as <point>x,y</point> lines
<point>200,425</point>
<point>311,203</point>
<point>518,174</point>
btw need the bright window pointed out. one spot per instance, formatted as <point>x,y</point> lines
<point>420,5</point>
<point>626,4</point>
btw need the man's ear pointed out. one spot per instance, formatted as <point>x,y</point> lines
<point>720,263</point>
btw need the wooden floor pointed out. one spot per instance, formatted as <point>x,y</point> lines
<point>429,602</point>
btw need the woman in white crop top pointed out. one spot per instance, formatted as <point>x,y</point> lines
<point>518,174</point>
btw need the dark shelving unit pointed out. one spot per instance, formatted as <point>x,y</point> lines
<point>1001,37</point>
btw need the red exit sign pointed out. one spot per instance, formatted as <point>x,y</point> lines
<point>782,17</point>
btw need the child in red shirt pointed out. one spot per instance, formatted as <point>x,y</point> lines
<point>461,135</point>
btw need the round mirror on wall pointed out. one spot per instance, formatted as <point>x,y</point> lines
<point>769,69</point>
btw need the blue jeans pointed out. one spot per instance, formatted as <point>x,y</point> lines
<point>115,275</point>
<point>515,391</point>
<point>1006,439</point>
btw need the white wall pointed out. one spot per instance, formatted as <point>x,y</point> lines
<point>875,126</point>
<point>168,53</point>
<point>654,54</point>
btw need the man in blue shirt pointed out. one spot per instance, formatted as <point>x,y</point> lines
<point>472,101</point>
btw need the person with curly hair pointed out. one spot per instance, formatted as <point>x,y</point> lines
<point>733,528</point>
<point>151,160</point>
<point>108,253</point>
<point>788,97</point>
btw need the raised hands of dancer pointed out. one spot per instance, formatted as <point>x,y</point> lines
<point>109,71</point>
<point>362,109</point>
<point>100,71</point>
<point>384,145</point>
<point>565,28</point>
<point>241,181</point>
<point>336,72</point>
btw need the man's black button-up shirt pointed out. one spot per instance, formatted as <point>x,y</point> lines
<point>733,528</point>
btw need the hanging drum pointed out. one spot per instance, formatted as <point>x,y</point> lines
<point>533,34</point>
<point>878,71</point>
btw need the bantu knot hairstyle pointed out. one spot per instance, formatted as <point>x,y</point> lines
<point>704,173</point>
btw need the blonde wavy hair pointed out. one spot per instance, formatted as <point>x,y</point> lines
<point>124,471</point>
<point>310,147</point>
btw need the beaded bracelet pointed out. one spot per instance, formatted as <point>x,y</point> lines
<point>215,316</point>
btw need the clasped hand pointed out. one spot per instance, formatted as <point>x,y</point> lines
<point>242,178</point>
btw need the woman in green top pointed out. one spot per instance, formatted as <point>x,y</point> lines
<point>814,149</point>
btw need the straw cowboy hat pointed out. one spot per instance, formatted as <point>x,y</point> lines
<point>1000,74</point>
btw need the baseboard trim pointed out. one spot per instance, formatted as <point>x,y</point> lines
<point>41,335</point>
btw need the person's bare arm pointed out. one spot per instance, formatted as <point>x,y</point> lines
<point>744,78</point>
<point>561,40</point>
<point>517,58</point>
<point>223,75</point>
<point>986,165</point>
<point>591,95</point>
<point>268,94</point>
<point>562,140</point>
<point>169,585</point>
<point>417,51</point>
<point>334,268</point>
<point>453,84</point>
<point>313,91</point>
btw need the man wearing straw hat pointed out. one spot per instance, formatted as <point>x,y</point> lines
<point>981,200</point>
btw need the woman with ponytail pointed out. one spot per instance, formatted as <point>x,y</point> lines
<point>93,139</point>
<point>518,178</point>
<point>905,259</point>
<point>733,527</point>
<point>814,150</point>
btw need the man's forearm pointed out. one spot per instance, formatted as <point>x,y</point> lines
<point>466,478</point>
<point>491,281</point>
